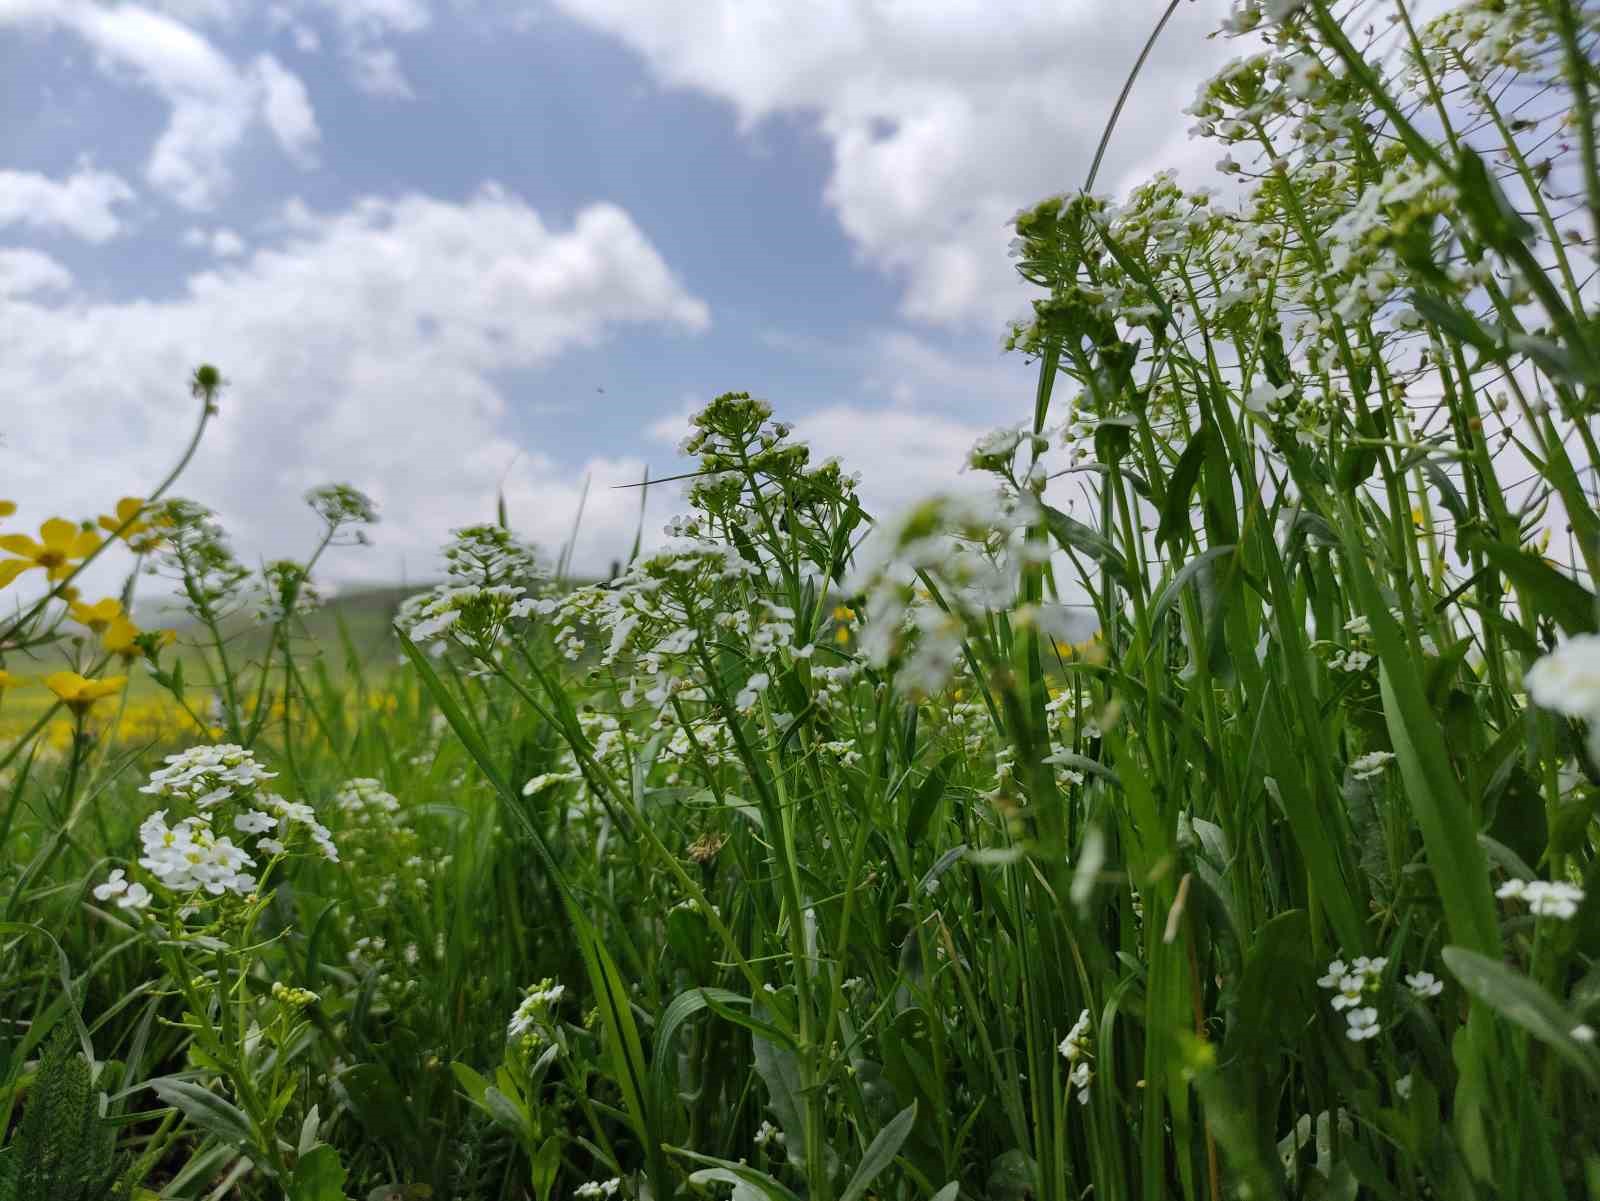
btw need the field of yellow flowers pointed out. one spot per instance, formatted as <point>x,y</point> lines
<point>821,854</point>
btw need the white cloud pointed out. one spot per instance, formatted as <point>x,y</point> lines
<point>222,242</point>
<point>83,204</point>
<point>364,29</point>
<point>943,118</point>
<point>213,103</point>
<point>365,347</point>
<point>23,271</point>
<point>376,71</point>
<point>286,108</point>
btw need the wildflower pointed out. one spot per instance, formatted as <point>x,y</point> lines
<point>535,1008</point>
<point>1424,984</point>
<point>289,995</point>
<point>7,508</point>
<point>1076,1045</point>
<point>1337,970</point>
<point>98,616</point>
<point>115,885</point>
<point>1567,680</point>
<point>1082,1077</point>
<point>129,524</point>
<point>80,694</point>
<point>768,1135</point>
<point>1545,899</point>
<point>592,1189</point>
<point>60,545</point>
<point>124,638</point>
<point>1363,1024</point>
<point>1369,766</point>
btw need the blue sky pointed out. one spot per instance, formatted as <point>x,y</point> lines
<point>419,235</point>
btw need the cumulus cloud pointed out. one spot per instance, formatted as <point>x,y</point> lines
<point>213,102</point>
<point>286,108</point>
<point>943,119</point>
<point>23,271</point>
<point>222,242</point>
<point>84,204</point>
<point>364,29</point>
<point>366,341</point>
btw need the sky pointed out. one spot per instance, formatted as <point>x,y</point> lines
<point>441,249</point>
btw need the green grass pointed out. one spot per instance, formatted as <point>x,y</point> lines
<point>809,859</point>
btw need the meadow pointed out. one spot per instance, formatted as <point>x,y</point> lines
<point>1204,808</point>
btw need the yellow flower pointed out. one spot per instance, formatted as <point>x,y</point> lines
<point>844,613</point>
<point>124,638</point>
<point>7,508</point>
<point>78,693</point>
<point>842,635</point>
<point>140,535</point>
<point>60,543</point>
<point>97,616</point>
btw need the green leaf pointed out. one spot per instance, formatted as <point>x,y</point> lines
<point>473,1084</point>
<point>1184,577</point>
<point>1487,209</point>
<point>319,1176</point>
<point>880,1153</point>
<point>1524,1003</point>
<point>1074,535</point>
<point>206,1110</point>
<point>1180,486</point>
<point>684,1006</point>
<point>929,793</point>
<point>1568,603</point>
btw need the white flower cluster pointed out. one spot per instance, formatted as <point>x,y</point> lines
<point>1544,898</point>
<point>1076,1050</point>
<point>1371,765</point>
<point>364,800</point>
<point>592,1190</point>
<point>1567,680</point>
<point>1353,984</point>
<point>1357,983</point>
<point>191,855</point>
<point>963,544</point>
<point>207,775</point>
<point>535,1008</point>
<point>768,1136</point>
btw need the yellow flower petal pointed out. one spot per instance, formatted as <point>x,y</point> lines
<point>58,534</point>
<point>10,569</point>
<point>21,544</point>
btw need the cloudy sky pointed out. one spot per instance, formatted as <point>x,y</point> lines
<point>438,247</point>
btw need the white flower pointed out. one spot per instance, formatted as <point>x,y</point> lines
<point>1424,984</point>
<point>1076,1045</point>
<point>1545,899</point>
<point>768,1134</point>
<point>592,1189</point>
<point>253,821</point>
<point>137,897</point>
<point>1402,1087</point>
<point>1363,1024</point>
<point>1583,1032</point>
<point>1351,991</point>
<point>1337,970</point>
<point>1082,1077</point>
<point>1368,766</point>
<point>1567,680</point>
<point>1264,396</point>
<point>116,884</point>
